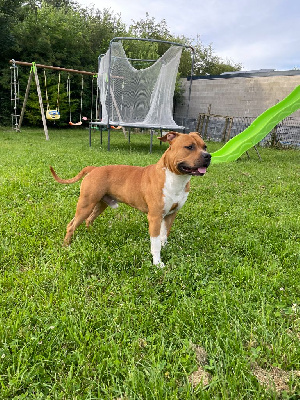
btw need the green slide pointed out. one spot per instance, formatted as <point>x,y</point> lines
<point>259,128</point>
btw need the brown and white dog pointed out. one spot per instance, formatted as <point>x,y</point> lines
<point>159,190</point>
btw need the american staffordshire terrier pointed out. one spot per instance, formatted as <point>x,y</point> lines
<point>159,190</point>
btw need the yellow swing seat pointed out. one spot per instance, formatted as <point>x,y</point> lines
<point>52,114</point>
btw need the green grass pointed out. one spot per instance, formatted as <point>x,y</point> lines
<point>98,321</point>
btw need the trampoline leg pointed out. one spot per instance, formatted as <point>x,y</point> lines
<point>90,134</point>
<point>108,139</point>
<point>101,135</point>
<point>151,138</point>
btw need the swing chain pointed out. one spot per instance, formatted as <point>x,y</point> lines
<point>46,91</point>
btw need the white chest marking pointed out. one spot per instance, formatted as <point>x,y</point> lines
<point>174,191</point>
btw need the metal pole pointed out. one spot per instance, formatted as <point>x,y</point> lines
<point>190,86</point>
<point>151,138</point>
<point>108,98</point>
<point>152,40</point>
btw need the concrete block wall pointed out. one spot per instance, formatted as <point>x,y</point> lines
<point>237,96</point>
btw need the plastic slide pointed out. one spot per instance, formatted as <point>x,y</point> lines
<point>259,128</point>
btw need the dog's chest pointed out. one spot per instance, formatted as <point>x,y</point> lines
<point>174,191</point>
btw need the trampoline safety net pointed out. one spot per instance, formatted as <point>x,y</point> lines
<point>138,97</point>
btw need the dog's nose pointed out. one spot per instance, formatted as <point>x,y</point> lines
<point>207,157</point>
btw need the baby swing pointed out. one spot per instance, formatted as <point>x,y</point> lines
<point>52,114</point>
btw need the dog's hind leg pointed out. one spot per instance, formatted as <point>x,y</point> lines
<point>83,211</point>
<point>98,209</point>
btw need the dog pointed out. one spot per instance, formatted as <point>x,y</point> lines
<point>159,190</point>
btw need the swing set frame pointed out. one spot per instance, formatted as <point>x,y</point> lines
<point>33,73</point>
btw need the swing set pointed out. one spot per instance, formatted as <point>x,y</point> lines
<point>51,114</point>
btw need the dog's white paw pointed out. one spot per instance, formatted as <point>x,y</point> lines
<point>160,264</point>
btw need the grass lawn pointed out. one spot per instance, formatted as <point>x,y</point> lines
<point>98,321</point>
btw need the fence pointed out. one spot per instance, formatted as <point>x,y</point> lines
<point>223,128</point>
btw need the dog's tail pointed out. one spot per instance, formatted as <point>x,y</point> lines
<point>76,178</point>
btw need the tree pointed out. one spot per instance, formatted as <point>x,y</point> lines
<point>8,17</point>
<point>207,63</point>
<point>102,27</point>
<point>149,28</point>
<point>52,35</point>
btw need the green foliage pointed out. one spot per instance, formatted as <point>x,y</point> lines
<point>141,50</point>
<point>207,63</point>
<point>8,16</point>
<point>43,31</point>
<point>98,321</point>
<point>149,28</point>
<point>102,27</point>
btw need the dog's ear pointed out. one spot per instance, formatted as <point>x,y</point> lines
<point>168,137</point>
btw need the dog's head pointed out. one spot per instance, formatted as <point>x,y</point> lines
<point>186,153</point>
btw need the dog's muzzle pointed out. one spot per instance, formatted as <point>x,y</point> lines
<point>199,169</point>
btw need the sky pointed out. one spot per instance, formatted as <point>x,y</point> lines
<point>258,34</point>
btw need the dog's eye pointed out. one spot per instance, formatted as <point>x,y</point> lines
<point>190,147</point>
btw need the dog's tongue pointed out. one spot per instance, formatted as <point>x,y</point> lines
<point>202,170</point>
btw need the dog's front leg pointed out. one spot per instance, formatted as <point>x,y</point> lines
<point>154,231</point>
<point>166,225</point>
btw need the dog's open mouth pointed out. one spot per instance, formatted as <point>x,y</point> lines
<point>192,171</point>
